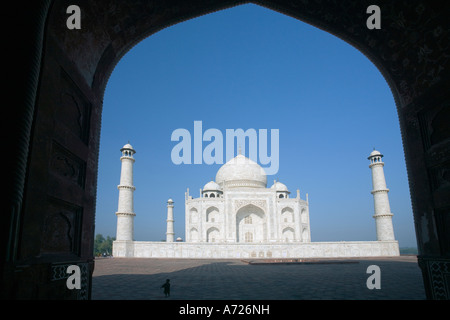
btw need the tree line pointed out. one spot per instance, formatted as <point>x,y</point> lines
<point>102,245</point>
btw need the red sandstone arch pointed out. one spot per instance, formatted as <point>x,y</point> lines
<point>62,75</point>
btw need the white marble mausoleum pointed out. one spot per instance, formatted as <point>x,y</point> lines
<point>239,208</point>
<point>238,216</point>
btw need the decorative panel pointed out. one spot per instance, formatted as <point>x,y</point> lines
<point>438,273</point>
<point>75,108</point>
<point>66,165</point>
<point>61,228</point>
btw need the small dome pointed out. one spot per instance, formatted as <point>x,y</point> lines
<point>128,147</point>
<point>375,153</point>
<point>170,201</point>
<point>279,186</point>
<point>211,186</point>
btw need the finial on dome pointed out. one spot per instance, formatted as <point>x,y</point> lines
<point>240,151</point>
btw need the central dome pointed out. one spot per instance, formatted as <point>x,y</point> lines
<point>241,172</point>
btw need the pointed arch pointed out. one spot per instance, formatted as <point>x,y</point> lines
<point>304,216</point>
<point>117,26</point>
<point>257,227</point>
<point>288,234</point>
<point>287,215</point>
<point>213,235</point>
<point>212,214</point>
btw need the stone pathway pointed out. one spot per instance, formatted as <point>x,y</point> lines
<point>205,279</point>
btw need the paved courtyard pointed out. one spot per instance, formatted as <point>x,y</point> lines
<point>208,279</point>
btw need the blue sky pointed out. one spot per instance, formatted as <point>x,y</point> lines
<point>250,67</point>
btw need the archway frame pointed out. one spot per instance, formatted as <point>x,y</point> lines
<point>257,223</point>
<point>411,56</point>
<point>213,234</point>
<point>211,213</point>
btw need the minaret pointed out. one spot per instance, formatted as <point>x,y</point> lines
<point>125,212</point>
<point>383,215</point>
<point>170,234</point>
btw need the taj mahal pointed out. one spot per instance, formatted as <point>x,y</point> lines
<point>238,216</point>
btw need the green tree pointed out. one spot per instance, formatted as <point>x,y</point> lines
<point>102,245</point>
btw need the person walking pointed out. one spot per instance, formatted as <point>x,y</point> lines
<point>166,287</point>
